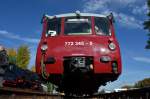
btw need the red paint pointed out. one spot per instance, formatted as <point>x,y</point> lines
<point>58,50</point>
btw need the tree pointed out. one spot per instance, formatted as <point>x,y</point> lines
<point>147,25</point>
<point>33,69</point>
<point>23,56</point>
<point>143,83</point>
<point>12,55</point>
<point>127,86</point>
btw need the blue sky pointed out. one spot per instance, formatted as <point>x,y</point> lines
<point>20,24</point>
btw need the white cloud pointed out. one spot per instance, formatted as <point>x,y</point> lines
<point>125,2</point>
<point>18,37</point>
<point>124,17</point>
<point>3,32</point>
<point>128,21</point>
<point>93,5</point>
<point>142,59</point>
<point>139,10</point>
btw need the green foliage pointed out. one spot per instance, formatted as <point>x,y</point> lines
<point>33,69</point>
<point>23,56</point>
<point>143,83</point>
<point>20,57</point>
<point>147,25</point>
<point>127,86</point>
<point>12,55</point>
<point>50,87</point>
<point>140,84</point>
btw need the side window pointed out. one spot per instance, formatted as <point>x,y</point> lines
<point>54,27</point>
<point>102,26</point>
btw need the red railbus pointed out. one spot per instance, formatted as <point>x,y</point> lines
<point>78,52</point>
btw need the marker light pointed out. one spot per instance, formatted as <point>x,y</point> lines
<point>112,46</point>
<point>44,47</point>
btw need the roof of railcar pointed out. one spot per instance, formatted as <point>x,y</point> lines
<point>75,14</point>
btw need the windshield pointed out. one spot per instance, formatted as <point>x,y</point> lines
<point>78,26</point>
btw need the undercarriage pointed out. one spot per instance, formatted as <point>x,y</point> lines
<point>79,77</point>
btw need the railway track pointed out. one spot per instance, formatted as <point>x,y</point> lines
<point>143,93</point>
<point>14,93</point>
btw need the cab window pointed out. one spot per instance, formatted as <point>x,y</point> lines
<point>54,27</point>
<point>102,26</point>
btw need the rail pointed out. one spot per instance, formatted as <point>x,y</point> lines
<point>14,93</point>
<point>142,93</point>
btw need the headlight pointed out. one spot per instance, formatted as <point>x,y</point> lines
<point>112,46</point>
<point>44,47</point>
<point>105,59</point>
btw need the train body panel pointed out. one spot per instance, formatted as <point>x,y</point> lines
<point>89,46</point>
<point>78,45</point>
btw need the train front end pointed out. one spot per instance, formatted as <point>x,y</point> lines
<point>78,52</point>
